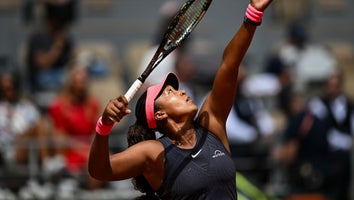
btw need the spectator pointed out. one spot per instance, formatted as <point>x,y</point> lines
<point>304,152</point>
<point>49,51</point>
<point>74,113</point>
<point>21,129</point>
<point>310,63</point>
<point>337,109</point>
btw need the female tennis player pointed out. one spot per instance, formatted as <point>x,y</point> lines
<point>192,159</point>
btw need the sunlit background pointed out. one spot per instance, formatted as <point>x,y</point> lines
<point>111,37</point>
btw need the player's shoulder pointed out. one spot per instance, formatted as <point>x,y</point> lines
<point>152,148</point>
<point>154,143</point>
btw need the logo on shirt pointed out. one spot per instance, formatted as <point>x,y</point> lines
<point>196,154</point>
<point>218,153</point>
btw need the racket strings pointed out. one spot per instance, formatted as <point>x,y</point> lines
<point>187,21</point>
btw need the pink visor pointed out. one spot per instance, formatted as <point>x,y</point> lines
<point>152,93</point>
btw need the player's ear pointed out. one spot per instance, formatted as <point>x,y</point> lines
<point>160,115</point>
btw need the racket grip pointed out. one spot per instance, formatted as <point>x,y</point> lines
<point>133,90</point>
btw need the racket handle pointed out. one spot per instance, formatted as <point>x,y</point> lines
<point>133,89</point>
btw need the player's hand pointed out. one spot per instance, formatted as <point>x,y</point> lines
<point>115,110</point>
<point>260,5</point>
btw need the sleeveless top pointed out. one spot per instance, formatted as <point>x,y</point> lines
<point>204,172</point>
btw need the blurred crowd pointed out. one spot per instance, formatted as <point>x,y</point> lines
<point>291,128</point>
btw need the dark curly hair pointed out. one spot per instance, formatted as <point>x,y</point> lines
<point>136,133</point>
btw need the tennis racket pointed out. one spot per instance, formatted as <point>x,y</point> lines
<point>188,16</point>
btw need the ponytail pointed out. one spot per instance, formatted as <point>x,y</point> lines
<point>136,134</point>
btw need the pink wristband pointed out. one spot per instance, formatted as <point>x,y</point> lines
<point>253,15</point>
<point>103,129</point>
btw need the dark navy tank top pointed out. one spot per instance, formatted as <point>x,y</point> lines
<point>204,172</point>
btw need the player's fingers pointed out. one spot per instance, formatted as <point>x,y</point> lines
<point>117,109</point>
<point>119,105</point>
<point>123,100</point>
